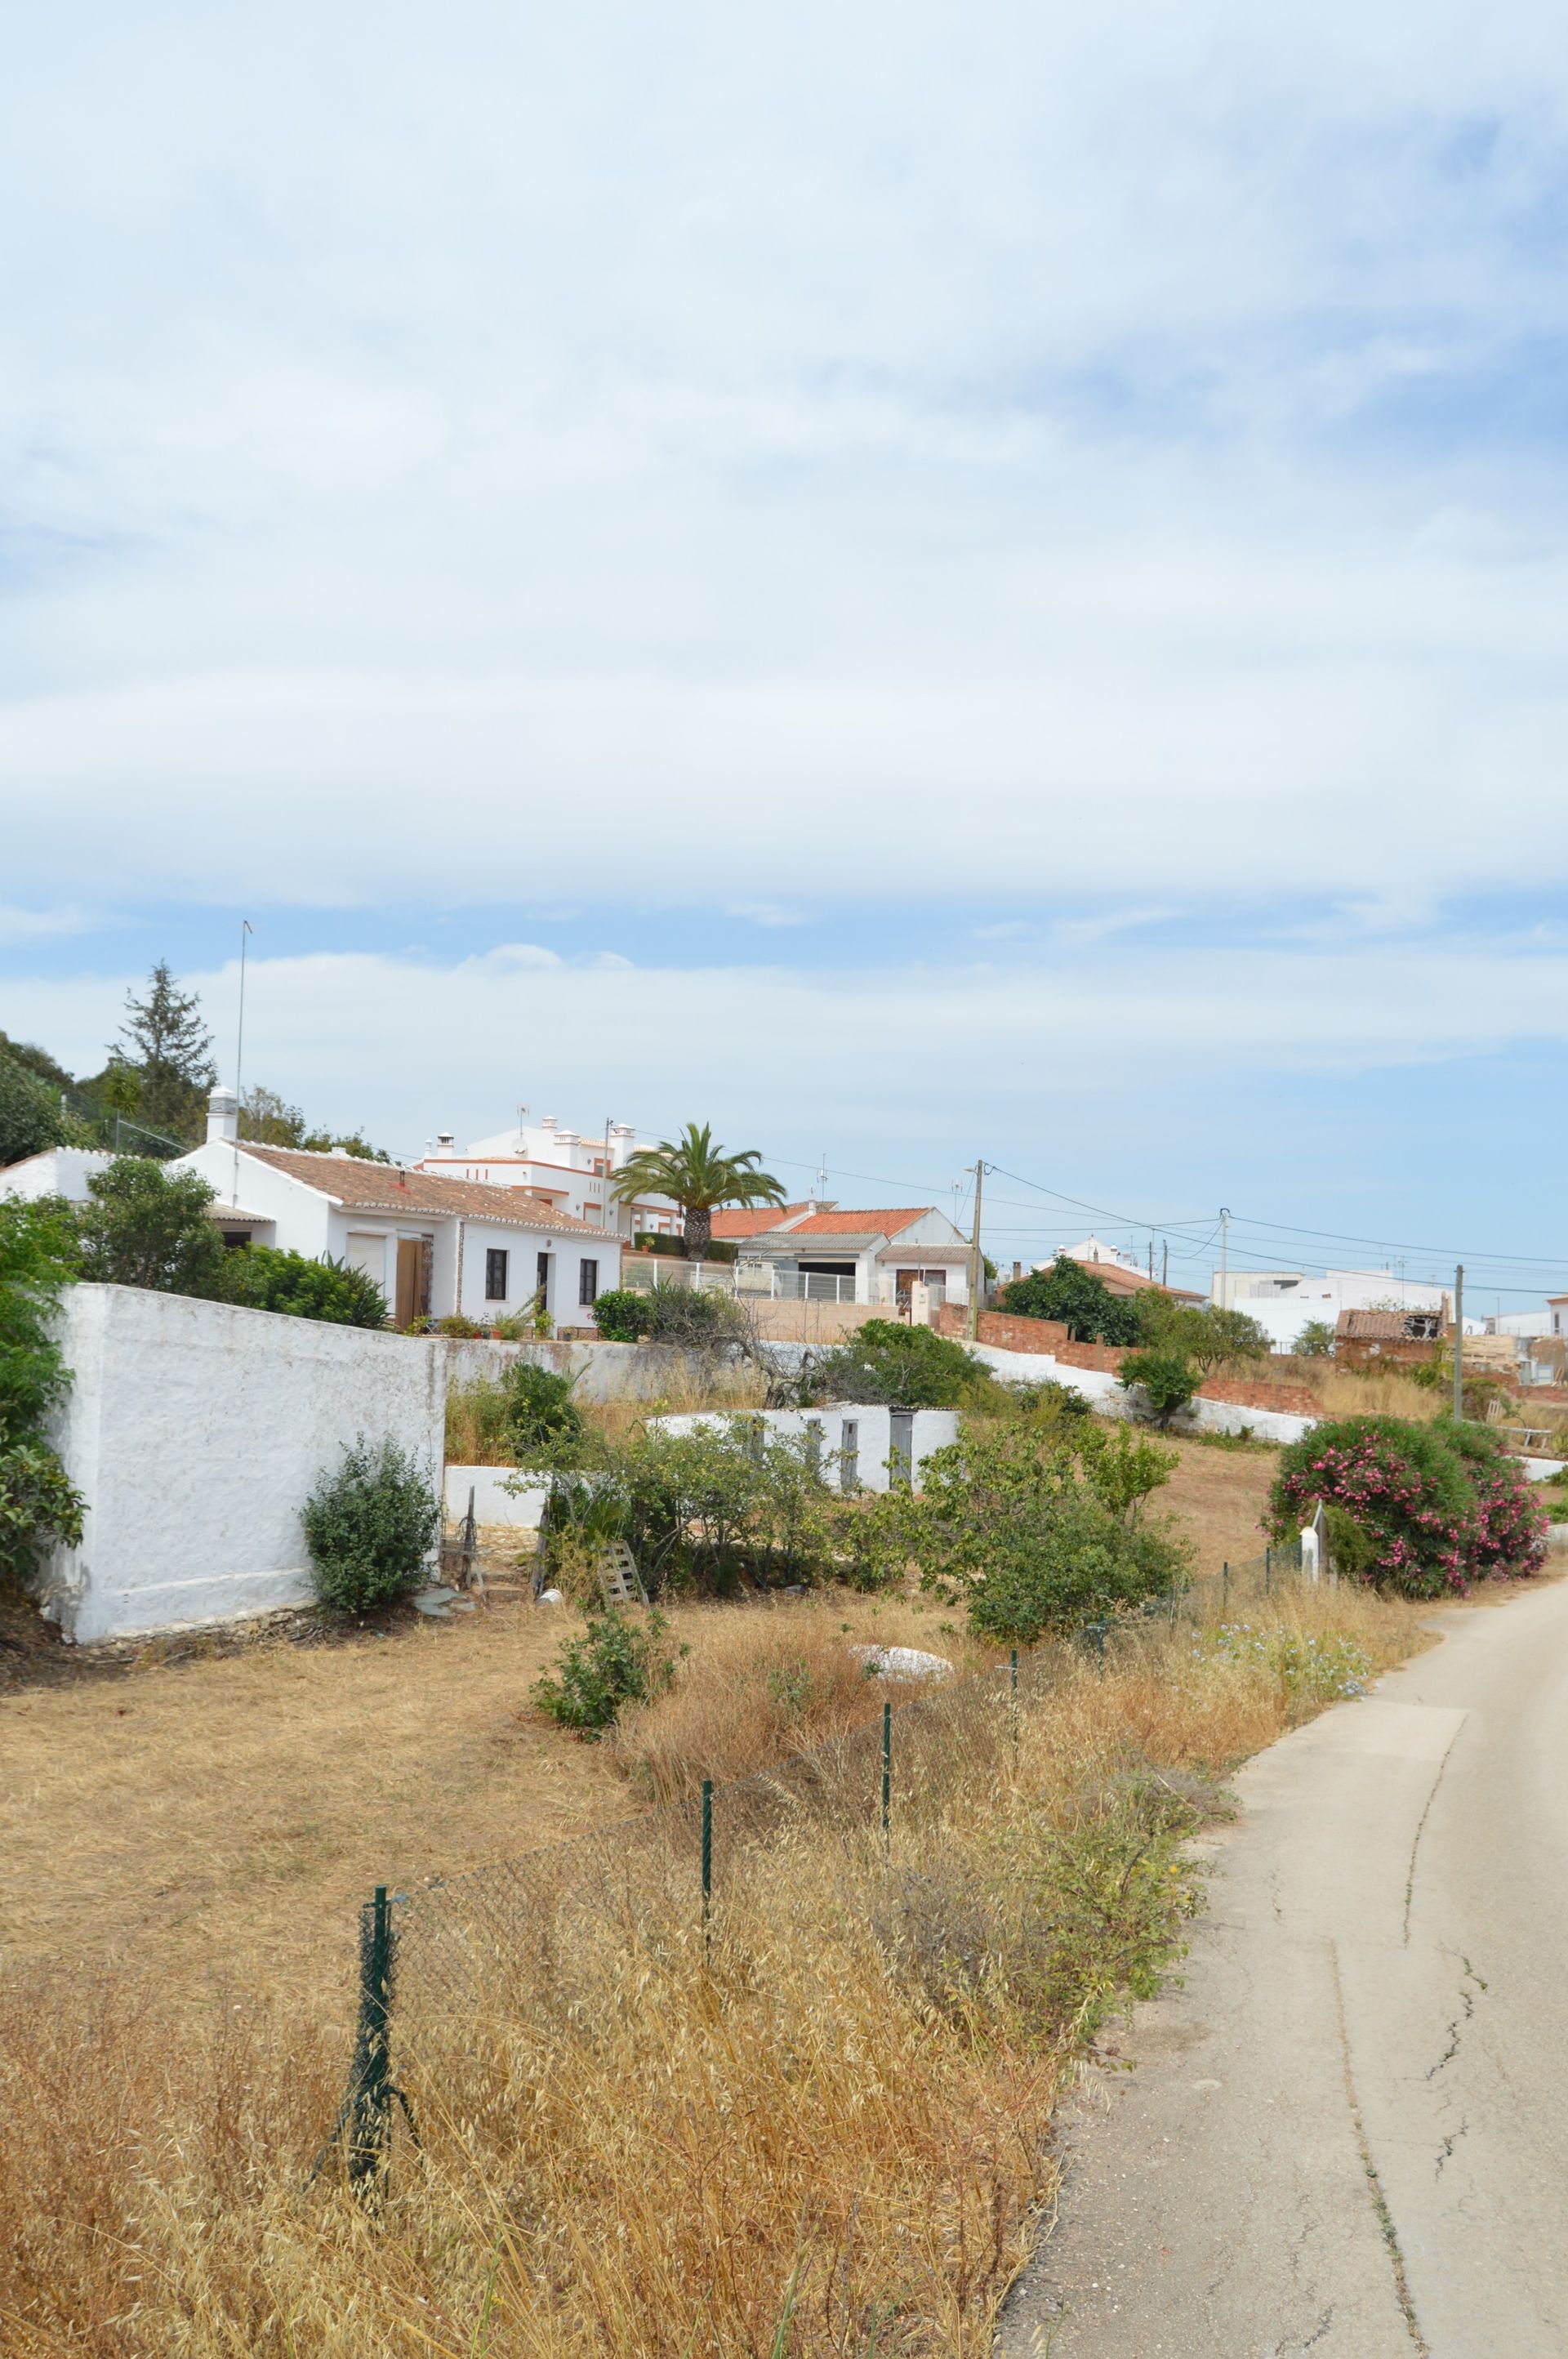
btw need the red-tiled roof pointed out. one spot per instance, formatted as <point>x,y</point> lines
<point>876,1222</point>
<point>734,1221</point>
<point>365,1187</point>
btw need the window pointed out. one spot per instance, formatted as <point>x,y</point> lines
<point>495,1261</point>
<point>588,1281</point>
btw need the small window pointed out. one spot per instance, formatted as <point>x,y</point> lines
<point>495,1261</point>
<point>588,1281</point>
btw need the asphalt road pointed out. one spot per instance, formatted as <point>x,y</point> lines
<point>1347,2132</point>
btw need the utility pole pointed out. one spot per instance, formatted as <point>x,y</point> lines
<point>1224,1257</point>
<point>976,1261</point>
<point>1458,1342</point>
<point>245,929</point>
<point>1164,1259</point>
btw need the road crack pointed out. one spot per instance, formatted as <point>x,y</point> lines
<point>1449,2144</point>
<point>1421,1830</point>
<point>1458,2023</point>
<point>1374,2184</point>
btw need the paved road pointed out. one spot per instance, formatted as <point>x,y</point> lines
<point>1347,2135</point>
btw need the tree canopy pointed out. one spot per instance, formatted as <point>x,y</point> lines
<point>1072,1292</point>
<point>699,1176</point>
<point>167,1046</point>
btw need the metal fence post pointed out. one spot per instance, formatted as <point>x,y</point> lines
<point>1014,1700</point>
<point>706,1858</point>
<point>1225,1586</point>
<point>369,2118</point>
<point>1267,1568</point>
<point>887,1779</point>
<point>1100,1642</point>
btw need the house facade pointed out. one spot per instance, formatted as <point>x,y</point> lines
<point>569,1169</point>
<point>58,1171</point>
<point>435,1246</point>
<point>831,1253</point>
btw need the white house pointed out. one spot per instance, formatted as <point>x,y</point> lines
<point>837,1254</point>
<point>433,1244</point>
<point>58,1171</point>
<point>1282,1302</point>
<point>565,1167</point>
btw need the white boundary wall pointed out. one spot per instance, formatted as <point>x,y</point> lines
<point>1108,1394</point>
<point>933,1428</point>
<point>195,1432</point>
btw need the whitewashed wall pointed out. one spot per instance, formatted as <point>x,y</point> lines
<point>1108,1396</point>
<point>604,1372</point>
<point>196,1432</point>
<point>933,1428</point>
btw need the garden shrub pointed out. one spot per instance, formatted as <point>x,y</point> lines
<point>543,1426</point>
<point>369,1528</point>
<point>695,1319</point>
<point>146,1226</point>
<point>618,1659</point>
<point>31,1115</point>
<point>264,1278</point>
<point>914,1367</point>
<point>1166,1379</point>
<point>1419,1509</point>
<point>1071,1292</point>
<point>1027,1543</point>
<point>39,1509</point>
<point>622,1315</point>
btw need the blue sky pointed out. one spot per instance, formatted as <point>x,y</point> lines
<point>918,584</point>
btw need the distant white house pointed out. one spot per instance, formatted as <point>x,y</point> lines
<point>875,1255</point>
<point>433,1244</point>
<point>1284,1301</point>
<point>569,1169</point>
<point>58,1171</point>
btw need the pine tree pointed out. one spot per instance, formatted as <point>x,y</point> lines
<point>170,1048</point>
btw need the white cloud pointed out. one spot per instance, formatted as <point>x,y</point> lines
<point>37,925</point>
<point>917,1059</point>
<point>933,456</point>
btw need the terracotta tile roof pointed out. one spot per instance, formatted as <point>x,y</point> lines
<point>237,1217</point>
<point>734,1222</point>
<point>872,1222</point>
<point>362,1187</point>
<point>1117,1279</point>
<point>1371,1326</point>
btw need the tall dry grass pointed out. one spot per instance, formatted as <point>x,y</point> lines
<point>476,1419</point>
<point>822,2130</point>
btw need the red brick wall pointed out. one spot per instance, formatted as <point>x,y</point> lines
<point>1251,1392</point>
<point>1002,1330</point>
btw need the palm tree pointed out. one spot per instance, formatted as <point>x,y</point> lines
<point>699,1177</point>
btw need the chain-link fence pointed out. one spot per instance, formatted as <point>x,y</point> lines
<point>533,1938</point>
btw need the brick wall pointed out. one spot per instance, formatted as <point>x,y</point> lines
<point>1004,1332</point>
<point>1251,1392</point>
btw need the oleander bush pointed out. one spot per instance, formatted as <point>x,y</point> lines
<point>1422,1509</point>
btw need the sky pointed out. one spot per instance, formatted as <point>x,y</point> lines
<point>921,583</point>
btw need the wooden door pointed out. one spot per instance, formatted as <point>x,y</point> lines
<point>407,1280</point>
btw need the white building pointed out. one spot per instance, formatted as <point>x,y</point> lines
<point>433,1244</point>
<point>827,1251</point>
<point>58,1171</point>
<point>565,1167</point>
<point>1284,1301</point>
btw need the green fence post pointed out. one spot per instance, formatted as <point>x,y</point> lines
<point>1100,1642</point>
<point>370,2116</point>
<point>887,1779</point>
<point>706,1858</point>
<point>1267,1568</point>
<point>1225,1586</point>
<point>1013,1701</point>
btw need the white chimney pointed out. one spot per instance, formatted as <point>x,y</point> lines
<point>622,1134</point>
<point>222,1115</point>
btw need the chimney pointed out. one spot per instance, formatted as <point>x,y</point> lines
<point>222,1115</point>
<point>622,1134</point>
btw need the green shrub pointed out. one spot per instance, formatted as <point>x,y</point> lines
<point>1026,1542</point>
<point>695,1319</point>
<point>262,1277</point>
<point>1071,1292</point>
<point>1418,1508</point>
<point>914,1367</point>
<point>622,1315</point>
<point>31,1115</point>
<point>369,1528</point>
<point>617,1659</point>
<point>39,1509</point>
<point>1166,1380</point>
<point>460,1328</point>
<point>1209,1337</point>
<point>146,1226</point>
<point>543,1424</point>
<point>1315,1341</point>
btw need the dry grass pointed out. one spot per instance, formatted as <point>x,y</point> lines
<point>774,1680</point>
<point>474,1412</point>
<point>823,2136</point>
